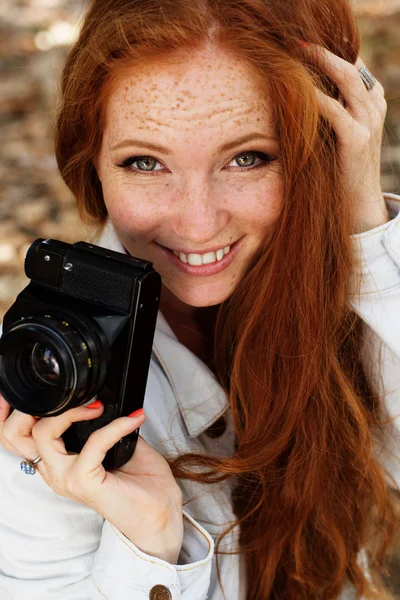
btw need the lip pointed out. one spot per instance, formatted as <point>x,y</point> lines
<point>202,270</point>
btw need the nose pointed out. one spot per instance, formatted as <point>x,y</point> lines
<point>199,215</point>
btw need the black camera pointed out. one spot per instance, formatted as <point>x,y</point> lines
<point>83,327</point>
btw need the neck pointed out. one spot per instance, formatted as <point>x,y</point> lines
<point>193,326</point>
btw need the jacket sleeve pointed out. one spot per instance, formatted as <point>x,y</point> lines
<point>121,570</point>
<point>377,302</point>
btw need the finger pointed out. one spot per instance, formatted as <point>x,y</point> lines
<point>98,444</point>
<point>349,130</point>
<point>146,460</point>
<point>347,78</point>
<point>5,409</point>
<point>378,89</point>
<point>48,431</point>
<point>376,94</point>
<point>21,424</point>
<point>336,114</point>
<point>15,435</point>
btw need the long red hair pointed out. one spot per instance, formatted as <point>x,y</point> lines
<point>287,341</point>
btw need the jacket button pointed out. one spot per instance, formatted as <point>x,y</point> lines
<point>160,592</point>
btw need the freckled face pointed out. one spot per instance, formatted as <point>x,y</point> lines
<point>189,164</point>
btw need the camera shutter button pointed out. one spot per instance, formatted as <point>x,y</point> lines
<point>160,592</point>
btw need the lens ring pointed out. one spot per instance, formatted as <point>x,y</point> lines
<point>23,390</point>
<point>81,350</point>
<point>28,390</point>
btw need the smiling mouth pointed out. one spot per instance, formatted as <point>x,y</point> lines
<point>205,259</point>
<point>208,258</point>
<point>192,263</point>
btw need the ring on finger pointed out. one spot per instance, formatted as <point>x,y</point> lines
<point>29,466</point>
<point>367,78</point>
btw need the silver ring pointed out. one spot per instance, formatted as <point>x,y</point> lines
<point>29,466</point>
<point>367,78</point>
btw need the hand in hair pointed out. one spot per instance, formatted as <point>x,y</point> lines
<point>358,124</point>
<point>141,498</point>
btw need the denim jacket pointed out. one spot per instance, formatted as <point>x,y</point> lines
<point>52,548</point>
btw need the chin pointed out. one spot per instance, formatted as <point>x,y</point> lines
<point>201,299</point>
<point>203,303</point>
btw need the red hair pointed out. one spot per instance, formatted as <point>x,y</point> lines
<point>287,341</point>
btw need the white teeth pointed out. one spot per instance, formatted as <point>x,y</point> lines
<point>209,258</point>
<point>196,260</point>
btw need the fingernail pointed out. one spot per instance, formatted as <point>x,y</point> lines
<point>137,413</point>
<point>95,404</point>
<point>302,44</point>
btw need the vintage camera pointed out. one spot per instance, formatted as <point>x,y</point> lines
<point>83,327</point>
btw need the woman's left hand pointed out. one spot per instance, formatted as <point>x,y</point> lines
<point>359,127</point>
<point>141,498</point>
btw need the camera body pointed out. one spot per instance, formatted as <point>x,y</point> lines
<point>82,328</point>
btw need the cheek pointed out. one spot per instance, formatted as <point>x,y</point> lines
<point>259,204</point>
<point>271,203</point>
<point>132,210</point>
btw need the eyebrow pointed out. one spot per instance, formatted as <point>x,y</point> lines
<point>225,147</point>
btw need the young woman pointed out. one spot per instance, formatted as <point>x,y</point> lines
<point>235,145</point>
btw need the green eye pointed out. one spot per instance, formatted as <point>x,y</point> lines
<point>251,160</point>
<point>140,163</point>
<point>246,160</point>
<point>146,163</point>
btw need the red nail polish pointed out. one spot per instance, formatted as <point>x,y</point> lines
<point>95,404</point>
<point>137,413</point>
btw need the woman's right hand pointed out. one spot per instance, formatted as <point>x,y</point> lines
<point>141,498</point>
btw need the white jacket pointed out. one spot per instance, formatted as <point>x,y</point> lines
<point>52,548</point>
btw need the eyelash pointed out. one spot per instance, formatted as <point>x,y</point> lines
<point>127,164</point>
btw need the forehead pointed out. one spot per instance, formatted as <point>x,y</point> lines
<point>209,89</point>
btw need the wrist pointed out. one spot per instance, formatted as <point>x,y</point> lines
<point>168,551</point>
<point>170,556</point>
<point>164,544</point>
<point>377,217</point>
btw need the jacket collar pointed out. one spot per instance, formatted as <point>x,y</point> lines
<point>200,398</point>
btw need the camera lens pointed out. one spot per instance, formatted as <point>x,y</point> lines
<point>50,364</point>
<point>43,364</point>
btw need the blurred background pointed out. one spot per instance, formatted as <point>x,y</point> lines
<point>34,39</point>
<point>35,36</point>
